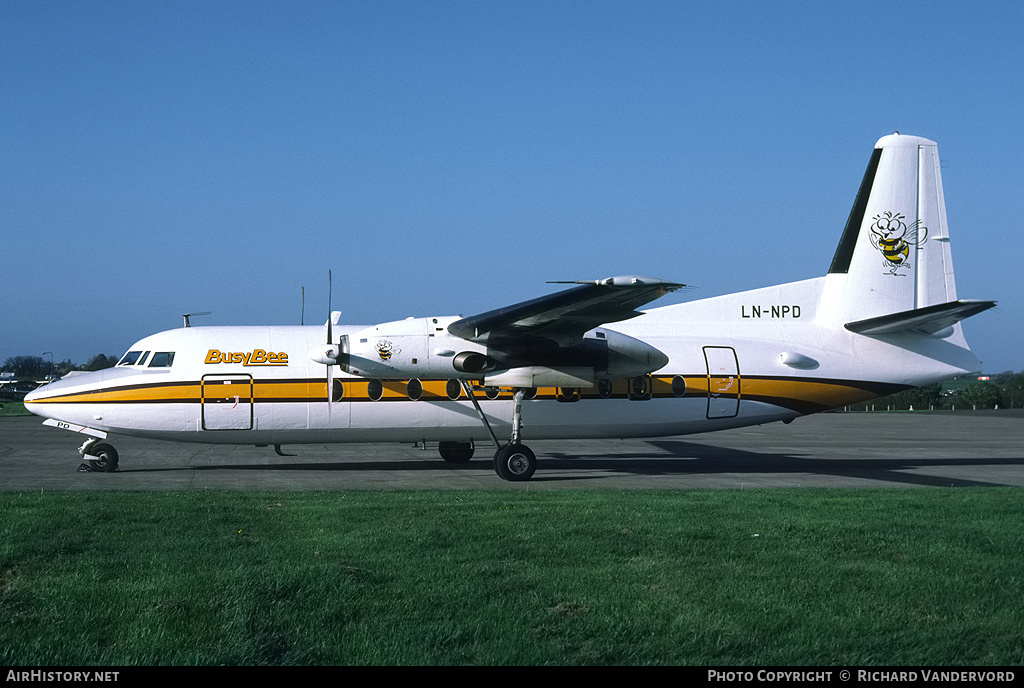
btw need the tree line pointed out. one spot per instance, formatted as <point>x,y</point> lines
<point>1005,390</point>
<point>38,368</point>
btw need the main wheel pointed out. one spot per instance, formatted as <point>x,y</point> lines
<point>456,452</point>
<point>515,462</point>
<point>103,458</point>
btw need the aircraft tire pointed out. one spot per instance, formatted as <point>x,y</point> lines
<point>456,452</point>
<point>515,462</point>
<point>103,458</point>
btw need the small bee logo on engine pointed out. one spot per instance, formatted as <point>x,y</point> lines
<point>386,350</point>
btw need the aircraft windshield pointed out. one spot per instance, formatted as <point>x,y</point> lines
<point>129,358</point>
<point>162,359</point>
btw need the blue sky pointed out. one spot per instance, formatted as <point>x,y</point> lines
<point>450,157</point>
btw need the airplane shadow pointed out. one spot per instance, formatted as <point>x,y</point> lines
<point>665,457</point>
<point>700,459</point>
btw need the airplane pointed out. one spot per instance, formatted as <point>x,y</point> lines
<point>583,362</point>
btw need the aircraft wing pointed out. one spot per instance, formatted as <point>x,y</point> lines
<point>566,315</point>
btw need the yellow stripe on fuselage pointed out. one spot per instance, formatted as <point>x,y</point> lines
<point>806,395</point>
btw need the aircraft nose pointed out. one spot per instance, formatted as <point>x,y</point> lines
<point>32,397</point>
<point>35,400</point>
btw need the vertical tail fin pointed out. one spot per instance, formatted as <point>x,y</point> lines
<point>894,251</point>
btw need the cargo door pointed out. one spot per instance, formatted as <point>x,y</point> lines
<point>723,381</point>
<point>227,402</point>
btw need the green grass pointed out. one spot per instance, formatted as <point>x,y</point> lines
<point>13,408</point>
<point>762,577</point>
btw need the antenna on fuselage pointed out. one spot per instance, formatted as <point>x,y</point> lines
<point>186,316</point>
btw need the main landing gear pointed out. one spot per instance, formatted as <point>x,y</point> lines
<point>456,452</point>
<point>513,461</point>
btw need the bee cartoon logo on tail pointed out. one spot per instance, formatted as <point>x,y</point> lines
<point>891,235</point>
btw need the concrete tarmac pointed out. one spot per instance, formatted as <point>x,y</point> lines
<point>919,449</point>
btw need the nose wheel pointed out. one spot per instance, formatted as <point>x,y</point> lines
<point>102,458</point>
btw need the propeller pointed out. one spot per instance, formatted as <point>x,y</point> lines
<point>329,354</point>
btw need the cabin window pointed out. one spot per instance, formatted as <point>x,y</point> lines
<point>129,358</point>
<point>454,389</point>
<point>567,394</point>
<point>640,388</point>
<point>162,359</point>
<point>375,390</point>
<point>414,389</point>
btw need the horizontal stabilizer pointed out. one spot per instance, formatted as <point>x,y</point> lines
<point>927,320</point>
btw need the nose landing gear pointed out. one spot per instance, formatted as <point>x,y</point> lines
<point>100,458</point>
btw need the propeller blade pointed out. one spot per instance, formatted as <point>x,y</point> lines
<point>330,291</point>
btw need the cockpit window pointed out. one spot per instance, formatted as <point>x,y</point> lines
<point>129,358</point>
<point>162,359</point>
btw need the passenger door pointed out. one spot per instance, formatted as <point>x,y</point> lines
<point>723,381</point>
<point>227,402</point>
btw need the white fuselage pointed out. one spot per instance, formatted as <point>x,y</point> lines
<point>742,359</point>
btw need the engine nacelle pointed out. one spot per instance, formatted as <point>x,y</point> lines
<point>602,355</point>
<point>542,376</point>
<point>412,348</point>
<point>422,348</point>
<point>607,353</point>
<point>627,356</point>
